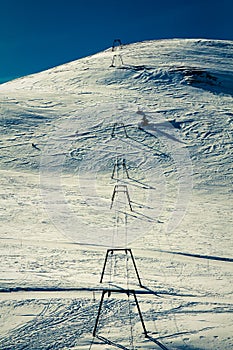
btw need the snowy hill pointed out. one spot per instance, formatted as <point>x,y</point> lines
<point>154,118</point>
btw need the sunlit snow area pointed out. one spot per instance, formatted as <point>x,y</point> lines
<point>128,150</point>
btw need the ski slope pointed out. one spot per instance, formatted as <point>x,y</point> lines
<point>154,118</point>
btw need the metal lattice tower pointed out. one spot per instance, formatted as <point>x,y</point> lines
<point>120,188</point>
<point>120,164</point>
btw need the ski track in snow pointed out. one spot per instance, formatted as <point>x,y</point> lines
<point>61,131</point>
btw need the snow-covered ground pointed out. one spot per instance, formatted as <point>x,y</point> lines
<point>154,120</point>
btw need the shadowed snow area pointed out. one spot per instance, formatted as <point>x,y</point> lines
<point>130,148</point>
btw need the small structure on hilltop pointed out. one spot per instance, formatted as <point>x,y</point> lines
<point>116,44</point>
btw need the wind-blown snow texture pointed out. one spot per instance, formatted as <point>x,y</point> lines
<point>167,112</point>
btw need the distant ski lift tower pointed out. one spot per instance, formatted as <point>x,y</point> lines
<point>117,126</point>
<point>120,163</point>
<point>123,189</point>
<point>117,61</point>
<point>116,43</point>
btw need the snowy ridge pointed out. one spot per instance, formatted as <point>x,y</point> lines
<point>165,109</point>
<point>161,69</point>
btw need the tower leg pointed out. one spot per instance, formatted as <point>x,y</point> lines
<point>127,194</point>
<point>113,172</point>
<point>105,262</point>
<point>135,267</point>
<point>113,130</point>
<point>140,314</point>
<point>124,124</point>
<point>98,315</point>
<point>113,196</point>
<point>125,168</point>
<point>121,60</point>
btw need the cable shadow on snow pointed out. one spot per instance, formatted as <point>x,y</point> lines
<point>148,187</point>
<point>139,216</point>
<point>157,342</point>
<point>151,291</point>
<point>119,346</point>
<point>140,205</point>
<point>143,217</point>
<point>160,132</point>
<point>136,183</point>
<point>109,342</point>
<point>162,294</point>
<point>200,256</point>
<point>149,148</point>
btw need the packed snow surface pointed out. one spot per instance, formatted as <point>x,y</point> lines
<point>125,149</point>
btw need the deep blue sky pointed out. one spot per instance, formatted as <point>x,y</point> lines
<point>39,34</point>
